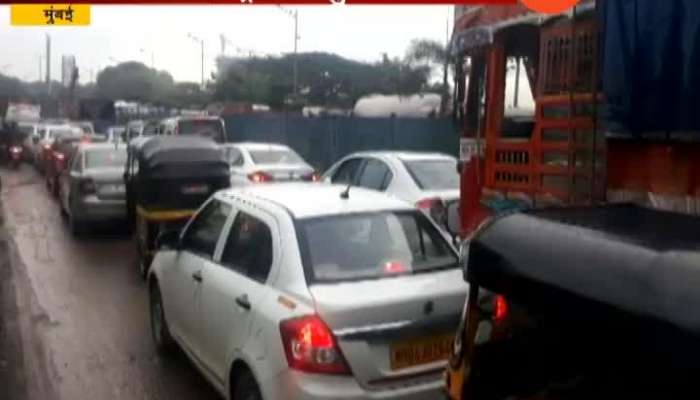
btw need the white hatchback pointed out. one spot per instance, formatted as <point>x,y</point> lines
<point>307,291</point>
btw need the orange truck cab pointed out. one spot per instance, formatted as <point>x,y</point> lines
<point>580,193</point>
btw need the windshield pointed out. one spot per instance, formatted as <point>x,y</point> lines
<point>105,158</point>
<point>53,132</point>
<point>373,245</point>
<point>435,174</point>
<point>209,128</point>
<point>275,156</point>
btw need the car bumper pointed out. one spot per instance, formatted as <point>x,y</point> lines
<point>293,385</point>
<point>92,208</point>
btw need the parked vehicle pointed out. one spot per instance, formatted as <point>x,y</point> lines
<point>30,131</point>
<point>58,156</point>
<point>139,127</point>
<point>85,126</point>
<point>44,140</point>
<point>202,125</point>
<point>428,180</point>
<point>167,179</point>
<point>91,190</point>
<point>307,291</point>
<point>116,133</point>
<point>266,162</point>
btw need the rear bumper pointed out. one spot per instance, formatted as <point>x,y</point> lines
<point>93,209</point>
<point>293,385</point>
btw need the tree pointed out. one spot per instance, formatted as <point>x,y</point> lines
<point>134,81</point>
<point>432,53</point>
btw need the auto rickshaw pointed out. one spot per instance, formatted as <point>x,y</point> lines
<point>580,303</point>
<point>167,179</point>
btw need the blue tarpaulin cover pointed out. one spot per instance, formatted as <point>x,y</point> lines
<point>651,65</point>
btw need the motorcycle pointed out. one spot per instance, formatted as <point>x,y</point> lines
<point>15,156</point>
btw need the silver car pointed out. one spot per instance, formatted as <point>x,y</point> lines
<point>91,189</point>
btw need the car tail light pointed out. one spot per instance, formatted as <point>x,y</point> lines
<point>434,207</point>
<point>15,149</point>
<point>313,177</point>
<point>311,347</point>
<point>46,146</point>
<point>500,309</point>
<point>260,177</point>
<point>88,186</point>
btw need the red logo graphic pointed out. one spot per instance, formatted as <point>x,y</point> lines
<point>550,6</point>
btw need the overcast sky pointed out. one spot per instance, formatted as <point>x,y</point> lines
<point>118,33</point>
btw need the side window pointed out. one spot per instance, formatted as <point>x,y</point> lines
<point>375,175</point>
<point>248,248</point>
<point>235,157</point>
<point>203,233</point>
<point>347,171</point>
<point>150,129</point>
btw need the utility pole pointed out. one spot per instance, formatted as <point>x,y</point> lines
<point>48,63</point>
<point>296,40</point>
<point>201,42</point>
<point>40,68</point>
<point>294,15</point>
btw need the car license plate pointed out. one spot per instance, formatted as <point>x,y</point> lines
<point>113,188</point>
<point>420,351</point>
<point>195,189</point>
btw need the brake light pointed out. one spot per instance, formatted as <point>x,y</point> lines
<point>500,308</point>
<point>59,156</point>
<point>259,177</point>
<point>311,347</point>
<point>15,149</point>
<point>394,267</point>
<point>434,207</point>
<point>46,146</point>
<point>315,177</point>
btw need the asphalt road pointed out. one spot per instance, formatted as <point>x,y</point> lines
<point>74,311</point>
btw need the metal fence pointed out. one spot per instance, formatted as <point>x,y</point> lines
<point>322,141</point>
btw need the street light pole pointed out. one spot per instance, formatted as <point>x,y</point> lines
<point>296,40</point>
<point>201,42</point>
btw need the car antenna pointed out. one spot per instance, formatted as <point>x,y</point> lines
<point>345,194</point>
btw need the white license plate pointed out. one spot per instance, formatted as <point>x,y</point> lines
<point>113,188</point>
<point>195,189</point>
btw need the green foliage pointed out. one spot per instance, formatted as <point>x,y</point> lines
<point>134,81</point>
<point>11,88</point>
<point>323,79</point>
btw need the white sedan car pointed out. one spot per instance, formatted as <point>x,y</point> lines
<point>307,291</point>
<point>428,180</point>
<point>266,162</point>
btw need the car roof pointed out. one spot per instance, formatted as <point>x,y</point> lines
<point>308,200</point>
<point>258,146</point>
<point>403,155</point>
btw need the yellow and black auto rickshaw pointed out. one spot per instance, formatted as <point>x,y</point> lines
<point>167,178</point>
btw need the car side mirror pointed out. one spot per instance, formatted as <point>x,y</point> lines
<point>453,222</point>
<point>169,239</point>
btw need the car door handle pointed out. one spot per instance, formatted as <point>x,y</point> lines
<point>243,301</point>
<point>197,276</point>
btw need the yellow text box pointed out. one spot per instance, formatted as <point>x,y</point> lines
<point>50,14</point>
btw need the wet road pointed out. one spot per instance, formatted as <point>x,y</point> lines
<point>81,308</point>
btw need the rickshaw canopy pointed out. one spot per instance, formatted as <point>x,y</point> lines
<point>619,256</point>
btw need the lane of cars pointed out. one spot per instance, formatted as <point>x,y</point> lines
<point>289,284</point>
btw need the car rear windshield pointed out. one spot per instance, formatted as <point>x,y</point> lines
<point>209,128</point>
<point>275,156</point>
<point>105,158</point>
<point>372,245</point>
<point>436,174</point>
<point>26,129</point>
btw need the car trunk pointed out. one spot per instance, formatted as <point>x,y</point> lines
<point>286,172</point>
<point>109,182</point>
<point>394,331</point>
